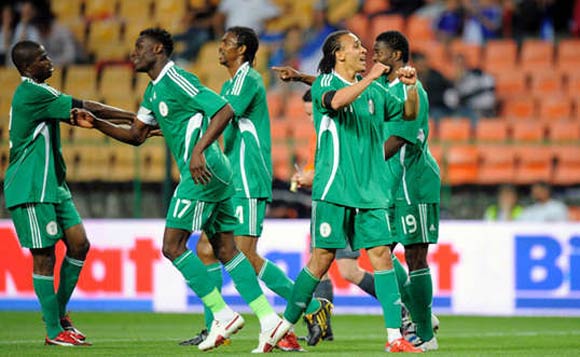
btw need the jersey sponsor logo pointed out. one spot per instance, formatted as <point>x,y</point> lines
<point>52,228</point>
<point>163,109</point>
<point>371,106</point>
<point>325,229</point>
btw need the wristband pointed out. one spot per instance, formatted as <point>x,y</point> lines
<point>412,86</point>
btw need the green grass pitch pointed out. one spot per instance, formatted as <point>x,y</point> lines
<point>148,334</point>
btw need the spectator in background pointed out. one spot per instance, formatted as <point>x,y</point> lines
<point>402,7</point>
<point>450,22</point>
<point>435,84</point>
<point>6,31</point>
<point>247,13</point>
<point>199,29</point>
<point>474,91</point>
<point>545,208</point>
<point>506,208</point>
<point>483,21</point>
<point>26,28</point>
<point>58,41</point>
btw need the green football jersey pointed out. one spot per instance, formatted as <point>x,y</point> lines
<point>349,162</point>
<point>416,172</point>
<point>182,107</point>
<point>247,141</point>
<point>36,170</point>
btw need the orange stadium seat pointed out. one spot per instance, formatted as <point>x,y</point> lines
<point>132,10</point>
<point>567,171</point>
<point>4,160</point>
<point>546,83</point>
<point>85,162</point>
<point>375,6</point>
<point>491,130</point>
<point>383,23</point>
<point>9,80</point>
<point>568,54</point>
<point>359,24</point>
<point>529,131</point>
<point>295,107</point>
<point>534,164</point>
<point>103,32</point>
<point>433,131</point>
<point>279,130</point>
<point>500,55</point>
<point>552,108</point>
<point>99,9</point>
<point>573,87</point>
<point>66,10</point>
<point>419,28</point>
<point>436,151</point>
<point>83,136</point>
<point>152,159</point>
<point>471,53</point>
<point>564,131</point>
<point>116,81</point>
<point>536,55</point>
<point>120,165</point>
<point>522,108</point>
<point>462,165</point>
<point>281,161</point>
<point>274,104</point>
<point>497,164</point>
<point>302,130</point>
<point>81,81</point>
<point>510,84</point>
<point>454,129</point>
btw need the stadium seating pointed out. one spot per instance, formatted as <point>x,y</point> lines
<point>279,130</point>
<point>383,23</point>
<point>528,131</point>
<point>471,53</point>
<point>151,157</point>
<point>490,130</point>
<point>116,81</point>
<point>564,131</point>
<point>497,164</point>
<point>454,129</point>
<point>462,164</point>
<point>500,55</point>
<point>359,24</point>
<point>554,107</point>
<point>274,104</point>
<point>534,164</point>
<point>120,163</point>
<point>568,54</point>
<point>4,159</point>
<point>519,108</point>
<point>81,81</point>
<point>510,84</point>
<point>281,161</point>
<point>546,83</point>
<point>567,170</point>
<point>536,55</point>
<point>419,28</point>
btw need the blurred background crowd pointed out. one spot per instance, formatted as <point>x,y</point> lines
<point>503,78</point>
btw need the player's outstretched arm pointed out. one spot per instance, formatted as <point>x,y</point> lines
<point>136,134</point>
<point>408,76</point>
<point>218,123</point>
<point>347,95</point>
<point>108,112</point>
<point>290,74</point>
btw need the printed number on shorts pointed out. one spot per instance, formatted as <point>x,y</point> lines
<point>409,223</point>
<point>177,212</point>
<point>240,214</point>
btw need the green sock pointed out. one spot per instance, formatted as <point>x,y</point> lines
<point>44,289</point>
<point>388,296</point>
<point>402,281</point>
<point>215,274</point>
<point>195,273</point>
<point>246,282</point>
<point>301,295</point>
<point>277,281</point>
<point>69,276</point>
<point>421,289</point>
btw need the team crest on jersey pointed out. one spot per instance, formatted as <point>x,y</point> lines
<point>52,228</point>
<point>163,109</point>
<point>325,230</point>
<point>371,106</point>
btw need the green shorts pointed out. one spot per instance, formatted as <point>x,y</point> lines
<point>332,226</point>
<point>211,217</point>
<point>41,225</point>
<point>250,213</point>
<point>415,224</point>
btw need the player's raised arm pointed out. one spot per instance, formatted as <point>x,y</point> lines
<point>218,123</point>
<point>408,76</point>
<point>345,96</point>
<point>104,111</point>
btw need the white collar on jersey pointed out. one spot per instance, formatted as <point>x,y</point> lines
<point>163,71</point>
<point>342,79</point>
<point>393,83</point>
<point>241,68</point>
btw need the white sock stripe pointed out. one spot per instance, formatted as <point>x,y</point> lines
<point>263,269</point>
<point>232,264</point>
<point>384,272</point>
<point>182,258</point>
<point>43,277</point>
<point>73,261</point>
<point>219,267</point>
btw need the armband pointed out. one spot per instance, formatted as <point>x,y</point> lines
<point>327,100</point>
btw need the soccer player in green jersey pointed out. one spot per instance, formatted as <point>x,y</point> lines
<point>349,199</point>
<point>191,118</point>
<point>35,189</point>
<point>416,185</point>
